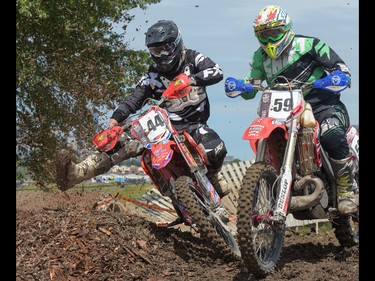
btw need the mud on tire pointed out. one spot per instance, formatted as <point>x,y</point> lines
<point>260,242</point>
<point>186,197</point>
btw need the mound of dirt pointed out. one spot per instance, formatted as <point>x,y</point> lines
<point>65,238</point>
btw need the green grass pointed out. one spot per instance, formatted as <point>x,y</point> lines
<point>128,191</point>
<point>324,227</point>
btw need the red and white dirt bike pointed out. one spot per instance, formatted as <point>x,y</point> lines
<point>291,174</point>
<point>177,167</point>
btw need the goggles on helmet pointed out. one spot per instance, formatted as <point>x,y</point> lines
<point>165,49</point>
<point>270,34</point>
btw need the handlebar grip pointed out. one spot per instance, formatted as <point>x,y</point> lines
<point>248,88</point>
<point>235,87</point>
<point>335,82</point>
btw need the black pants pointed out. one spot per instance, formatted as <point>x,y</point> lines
<point>334,122</point>
<point>212,143</point>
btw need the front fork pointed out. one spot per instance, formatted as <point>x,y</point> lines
<point>285,179</point>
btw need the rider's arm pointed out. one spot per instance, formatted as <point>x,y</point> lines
<point>328,59</point>
<point>207,72</point>
<point>133,102</point>
<point>256,74</point>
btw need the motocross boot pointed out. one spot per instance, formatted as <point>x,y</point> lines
<point>69,174</point>
<point>132,148</point>
<point>348,201</point>
<point>219,182</point>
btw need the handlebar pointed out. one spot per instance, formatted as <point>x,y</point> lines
<point>336,81</point>
<point>127,123</point>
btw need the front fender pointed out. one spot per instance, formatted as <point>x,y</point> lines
<point>161,154</point>
<point>261,128</point>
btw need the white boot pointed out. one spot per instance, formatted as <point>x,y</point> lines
<point>348,201</point>
<point>130,149</point>
<point>69,174</point>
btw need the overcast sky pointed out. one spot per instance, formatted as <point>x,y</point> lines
<point>222,30</point>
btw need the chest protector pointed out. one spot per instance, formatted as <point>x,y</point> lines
<point>195,96</point>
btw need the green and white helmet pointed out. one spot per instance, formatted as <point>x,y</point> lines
<point>272,28</point>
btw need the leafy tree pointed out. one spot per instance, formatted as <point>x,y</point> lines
<point>72,66</point>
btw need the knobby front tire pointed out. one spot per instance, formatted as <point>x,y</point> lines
<point>260,240</point>
<point>186,197</point>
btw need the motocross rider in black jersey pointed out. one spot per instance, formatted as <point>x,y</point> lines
<point>305,59</point>
<point>169,58</point>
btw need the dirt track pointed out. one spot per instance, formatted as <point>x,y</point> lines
<point>66,239</point>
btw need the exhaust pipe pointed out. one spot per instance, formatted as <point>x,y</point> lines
<point>299,203</point>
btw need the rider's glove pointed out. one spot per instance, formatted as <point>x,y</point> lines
<point>192,81</point>
<point>112,123</point>
<point>234,86</point>
<point>335,82</point>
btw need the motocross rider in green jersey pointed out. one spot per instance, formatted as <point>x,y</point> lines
<point>306,59</point>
